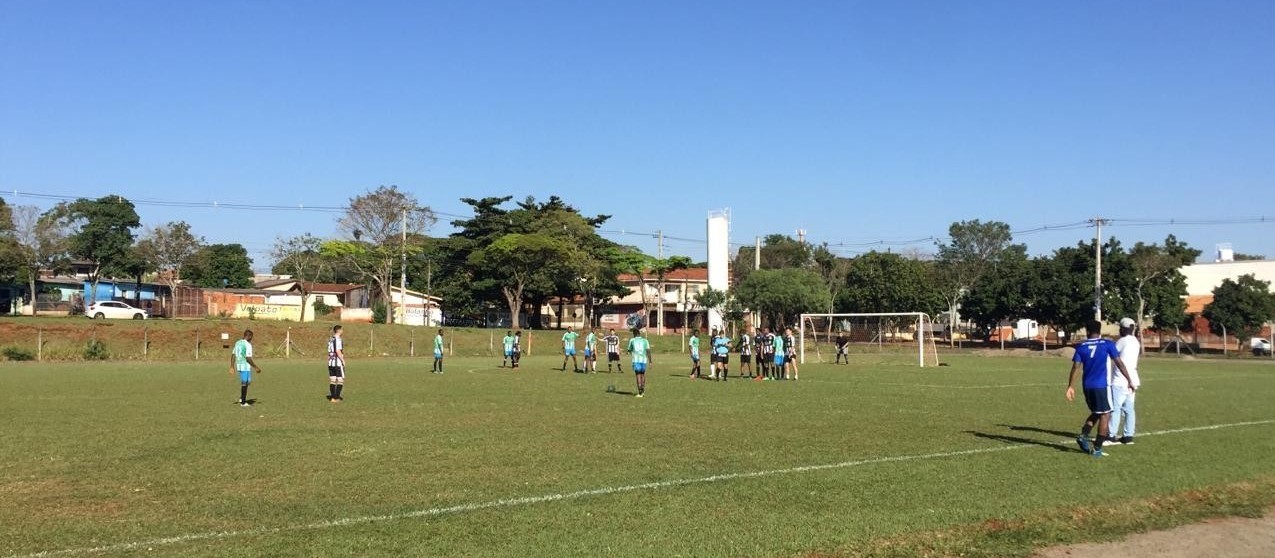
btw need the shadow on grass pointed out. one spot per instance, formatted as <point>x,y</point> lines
<point>622,392</point>
<point>1017,428</point>
<point>1019,440</point>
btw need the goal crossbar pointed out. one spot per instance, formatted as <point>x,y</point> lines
<point>920,319</point>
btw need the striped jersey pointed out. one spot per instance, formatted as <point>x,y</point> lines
<point>613,343</point>
<point>790,345</point>
<point>335,346</point>
<point>745,344</point>
<point>243,352</point>
<point>638,346</point>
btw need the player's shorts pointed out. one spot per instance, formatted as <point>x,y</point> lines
<point>841,350</point>
<point>724,359</point>
<point>639,368</point>
<point>694,358</point>
<point>745,359</point>
<point>613,357</point>
<point>438,354</point>
<point>569,352</point>
<point>1098,400</point>
<point>588,353</point>
<point>336,371</point>
<point>779,360</point>
<point>245,377</point>
<point>509,354</point>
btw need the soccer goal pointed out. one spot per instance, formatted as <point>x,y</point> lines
<point>903,336</point>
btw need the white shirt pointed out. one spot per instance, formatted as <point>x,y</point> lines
<point>1130,348</point>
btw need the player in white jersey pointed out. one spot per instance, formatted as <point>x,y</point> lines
<point>1122,393</point>
<point>613,350</point>
<point>336,366</point>
<point>746,352</point>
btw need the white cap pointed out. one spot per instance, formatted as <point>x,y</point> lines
<point>1126,322</point>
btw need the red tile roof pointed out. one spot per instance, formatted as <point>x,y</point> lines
<point>692,274</point>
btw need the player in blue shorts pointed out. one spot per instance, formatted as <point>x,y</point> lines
<point>693,347</point>
<point>569,349</point>
<point>508,343</point>
<point>721,356</point>
<point>1092,355</point>
<point>591,352</point>
<point>438,352</point>
<point>241,363</point>
<point>781,358</point>
<point>640,349</point>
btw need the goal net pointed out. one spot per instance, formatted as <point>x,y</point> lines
<point>900,337</point>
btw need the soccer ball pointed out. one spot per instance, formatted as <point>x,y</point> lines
<point>611,388</point>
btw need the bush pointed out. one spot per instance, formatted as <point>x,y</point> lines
<point>252,312</point>
<point>379,313</point>
<point>15,353</point>
<point>95,350</point>
<point>321,309</point>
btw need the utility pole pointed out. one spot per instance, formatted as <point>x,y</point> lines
<point>402,274</point>
<point>757,266</point>
<point>1097,276</point>
<point>660,296</point>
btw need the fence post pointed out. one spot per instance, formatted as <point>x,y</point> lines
<point>196,344</point>
<point>411,343</point>
<point>39,344</point>
<point>146,341</point>
<point>287,344</point>
<point>371,340</point>
<point>1226,351</point>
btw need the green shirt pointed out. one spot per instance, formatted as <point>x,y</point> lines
<point>242,350</point>
<point>569,340</point>
<point>694,346</point>
<point>509,343</point>
<point>591,341</point>
<point>638,346</point>
<point>438,343</point>
<point>779,344</point>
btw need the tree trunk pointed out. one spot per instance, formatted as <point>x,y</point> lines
<point>31,293</point>
<point>304,296</point>
<point>513,296</point>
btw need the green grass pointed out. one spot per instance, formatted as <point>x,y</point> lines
<point>109,453</point>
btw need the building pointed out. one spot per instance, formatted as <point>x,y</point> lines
<point>643,305</point>
<point>1202,278</point>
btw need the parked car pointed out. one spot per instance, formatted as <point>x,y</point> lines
<point>116,310</point>
<point>1261,347</point>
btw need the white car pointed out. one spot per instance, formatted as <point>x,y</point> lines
<point>117,310</point>
<point>1261,347</point>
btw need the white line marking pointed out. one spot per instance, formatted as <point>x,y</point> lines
<point>1054,384</point>
<point>532,500</point>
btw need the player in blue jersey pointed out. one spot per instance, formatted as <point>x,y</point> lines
<point>721,356</point>
<point>693,346</point>
<point>438,352</point>
<point>640,349</point>
<point>241,363</point>
<point>1092,356</point>
<point>508,343</point>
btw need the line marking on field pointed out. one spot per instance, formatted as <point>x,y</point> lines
<point>1052,384</point>
<point>532,500</point>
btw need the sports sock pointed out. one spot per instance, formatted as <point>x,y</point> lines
<point>331,390</point>
<point>339,389</point>
<point>243,394</point>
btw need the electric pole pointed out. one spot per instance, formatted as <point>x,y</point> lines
<point>660,297</point>
<point>1097,275</point>
<point>402,275</point>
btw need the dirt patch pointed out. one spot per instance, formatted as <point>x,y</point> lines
<point>1234,537</point>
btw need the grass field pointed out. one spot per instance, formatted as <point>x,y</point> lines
<point>152,458</point>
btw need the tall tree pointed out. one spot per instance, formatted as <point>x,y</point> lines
<point>1158,287</point>
<point>377,225</point>
<point>102,234</point>
<point>972,249</point>
<point>300,256</point>
<point>780,295</point>
<point>42,244</point>
<point>1240,307</point>
<point>521,256</point>
<point>168,247</point>
<point>220,265</point>
<point>889,282</point>
<point>1003,293</point>
<point>777,252</point>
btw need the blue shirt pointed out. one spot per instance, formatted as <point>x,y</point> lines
<point>721,345</point>
<point>1093,354</point>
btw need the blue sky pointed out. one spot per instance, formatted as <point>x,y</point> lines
<point>855,121</point>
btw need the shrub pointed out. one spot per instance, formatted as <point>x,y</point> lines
<point>379,313</point>
<point>15,353</point>
<point>95,350</point>
<point>252,312</point>
<point>321,309</point>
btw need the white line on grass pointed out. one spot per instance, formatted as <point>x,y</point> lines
<point>531,500</point>
<point>1053,384</point>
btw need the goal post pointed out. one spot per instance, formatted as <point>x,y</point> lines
<point>880,332</point>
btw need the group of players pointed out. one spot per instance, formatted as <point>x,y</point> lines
<point>776,354</point>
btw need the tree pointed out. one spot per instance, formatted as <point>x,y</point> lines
<point>888,282</point>
<point>42,245</point>
<point>220,265</point>
<point>1003,292</point>
<point>168,247</point>
<point>300,256</point>
<point>782,294</point>
<point>376,225</point>
<point>777,252</point>
<point>972,249</point>
<point>1158,285</point>
<point>1241,307</point>
<point>521,256</point>
<point>103,234</point>
<point>1240,257</point>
